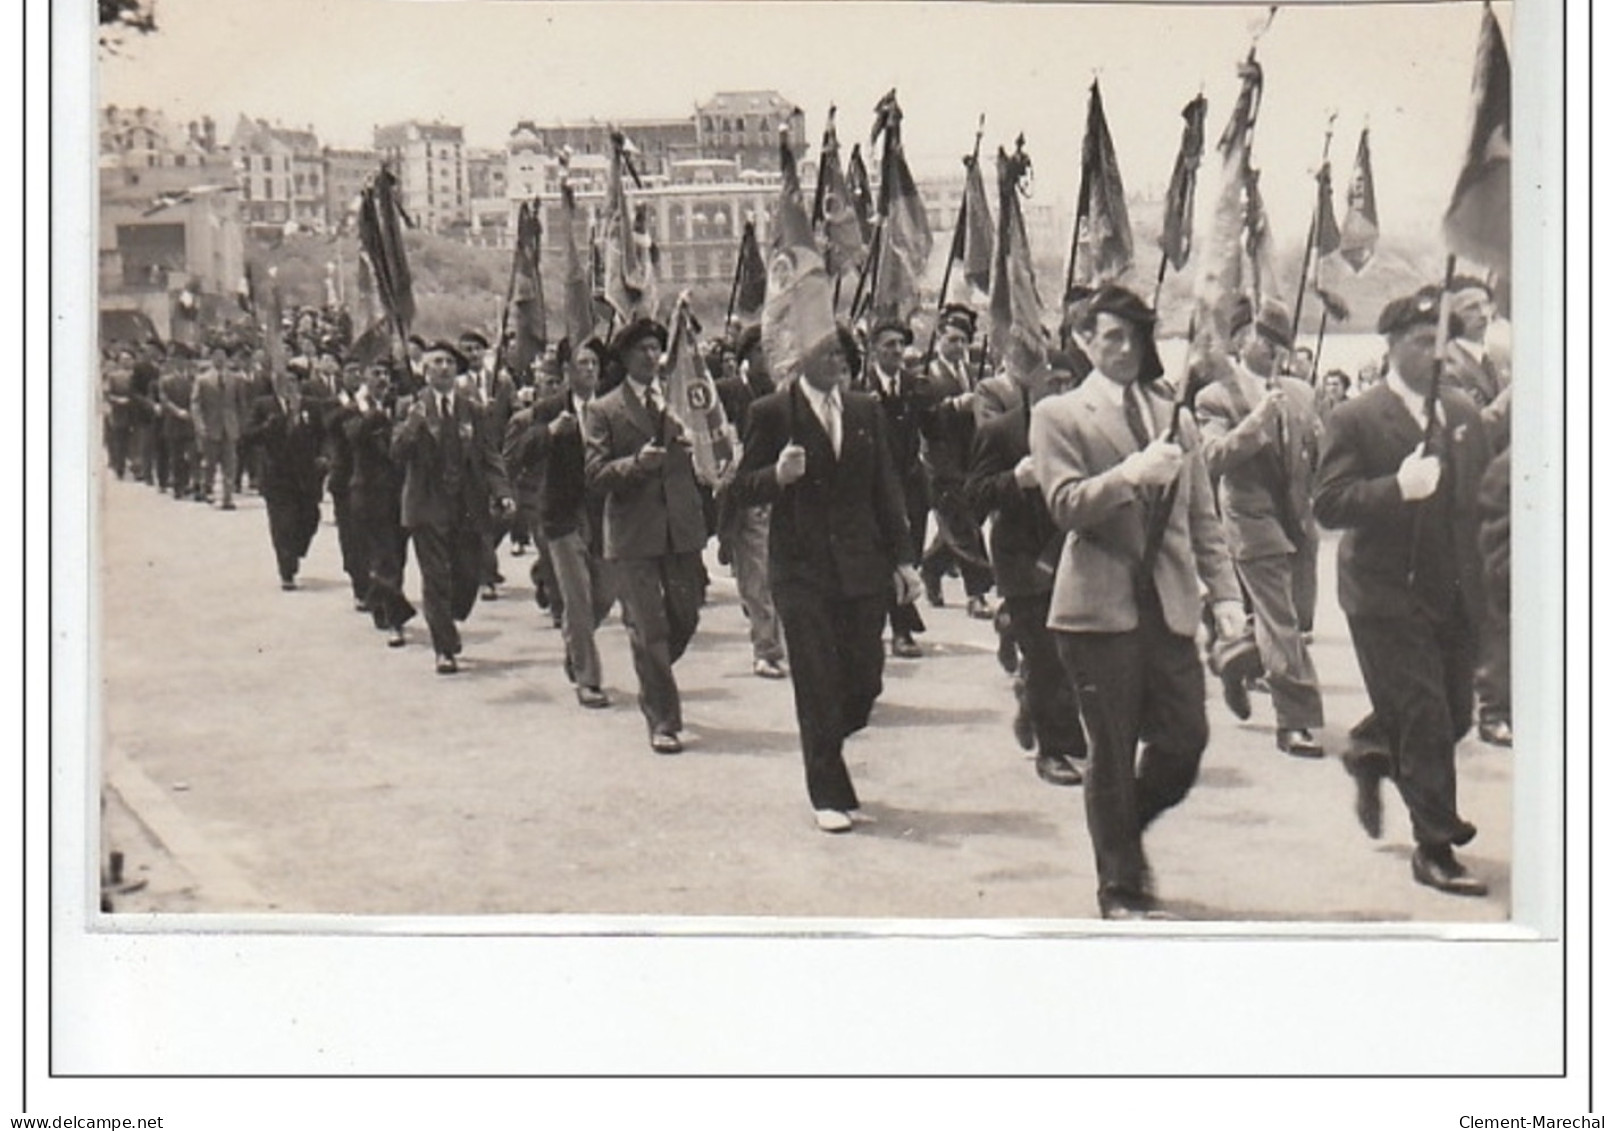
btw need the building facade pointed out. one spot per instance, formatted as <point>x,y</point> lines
<point>743,126</point>
<point>429,159</point>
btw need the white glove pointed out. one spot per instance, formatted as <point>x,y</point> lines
<point>1155,466</point>
<point>1230,618</point>
<point>908,584</point>
<point>1024,475</point>
<point>791,464</point>
<point>1419,475</point>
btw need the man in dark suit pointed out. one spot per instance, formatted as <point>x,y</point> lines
<point>947,427</point>
<point>1404,489</point>
<point>336,413</point>
<point>637,456</point>
<point>1142,537</point>
<point>453,476</point>
<point>545,443</point>
<point>1025,550</point>
<point>837,532</point>
<point>1260,432</point>
<point>375,498</point>
<point>287,433</point>
<point>495,391</point>
<point>179,433</point>
<point>901,403</point>
<point>117,388</point>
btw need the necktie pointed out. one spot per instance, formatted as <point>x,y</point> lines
<point>1135,416</point>
<point>832,422</point>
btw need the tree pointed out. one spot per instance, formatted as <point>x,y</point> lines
<point>119,17</point>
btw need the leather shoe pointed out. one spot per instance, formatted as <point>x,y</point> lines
<point>767,669</point>
<point>905,648</point>
<point>1367,770</point>
<point>593,697</point>
<point>288,584</point>
<point>1496,732</point>
<point>1009,656</point>
<point>1299,743</point>
<point>1056,769</point>
<point>396,640</point>
<point>832,820</point>
<point>1127,905</point>
<point>1439,869</point>
<point>977,609</point>
<point>664,743</point>
<point>933,591</point>
<point>446,664</point>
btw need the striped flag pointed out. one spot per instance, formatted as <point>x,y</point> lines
<point>836,219</point>
<point>799,328</point>
<point>973,234</point>
<point>579,302</point>
<point>692,399</point>
<point>527,292</point>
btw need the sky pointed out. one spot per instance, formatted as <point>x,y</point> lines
<point>345,66</point>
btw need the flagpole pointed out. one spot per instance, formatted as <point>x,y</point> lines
<point>734,287</point>
<point>1432,405</point>
<point>1312,229</point>
<point>958,236</point>
<point>510,292</point>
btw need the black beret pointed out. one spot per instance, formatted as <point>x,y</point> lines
<point>1119,302</point>
<point>892,325</point>
<point>1423,307</point>
<point>637,331</point>
<point>417,340</point>
<point>750,338</point>
<point>443,345</point>
<point>471,339</point>
<point>960,317</point>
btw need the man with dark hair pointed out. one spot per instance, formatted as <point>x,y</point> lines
<point>1260,433</point>
<point>947,428</point>
<point>1403,486</point>
<point>1141,538</point>
<point>838,548</point>
<point>636,454</point>
<point>453,477</point>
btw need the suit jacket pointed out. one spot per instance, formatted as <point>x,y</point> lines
<point>1479,379</point>
<point>996,395</point>
<point>554,461</point>
<point>1078,441</point>
<point>452,468</point>
<point>174,401</point>
<point>1367,440</point>
<point>946,432</point>
<point>1263,474</point>
<point>648,512</point>
<point>842,526</point>
<point>292,446</point>
<point>498,398</point>
<point>369,436</point>
<point>1025,543</point>
<point>220,403</point>
<point>903,409</point>
<point>118,387</point>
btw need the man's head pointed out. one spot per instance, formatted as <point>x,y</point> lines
<point>1369,374</point>
<point>1301,363</point>
<point>1335,384</point>
<point>378,379</point>
<point>352,376</point>
<point>955,328</point>
<point>1059,373</point>
<point>442,362</point>
<point>1411,326</point>
<point>583,374</point>
<point>1471,309</point>
<point>1260,337</point>
<point>474,346</point>
<point>639,347</point>
<point>886,344</point>
<point>1117,332</point>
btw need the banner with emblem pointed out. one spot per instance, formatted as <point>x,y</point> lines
<point>692,400</point>
<point>835,218</point>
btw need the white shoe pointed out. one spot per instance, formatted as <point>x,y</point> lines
<point>859,817</point>
<point>832,820</point>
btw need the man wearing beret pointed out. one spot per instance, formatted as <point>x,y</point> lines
<point>454,476</point>
<point>947,428</point>
<point>1403,486</point>
<point>1141,537</point>
<point>898,396</point>
<point>1260,433</point>
<point>636,454</point>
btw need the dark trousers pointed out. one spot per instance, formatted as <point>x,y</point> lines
<point>1051,699</point>
<point>1142,685</point>
<point>661,603</point>
<point>351,542</point>
<point>159,453</point>
<point>293,519</point>
<point>1419,672</point>
<point>180,444</point>
<point>958,540</point>
<point>906,619</point>
<point>142,449</point>
<point>1492,675</point>
<point>119,436</point>
<point>450,561</point>
<point>385,546</point>
<point>836,664</point>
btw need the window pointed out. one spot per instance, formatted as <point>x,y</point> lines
<point>246,188</point>
<point>269,189</point>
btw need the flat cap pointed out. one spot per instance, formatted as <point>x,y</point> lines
<point>473,339</point>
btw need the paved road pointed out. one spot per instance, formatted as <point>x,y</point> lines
<point>266,752</point>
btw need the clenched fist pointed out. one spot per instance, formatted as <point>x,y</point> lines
<point>1155,466</point>
<point>791,464</point>
<point>1419,475</point>
<point>1025,477</point>
<point>650,456</point>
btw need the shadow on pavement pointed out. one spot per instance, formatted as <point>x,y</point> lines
<point>947,830</point>
<point>903,715</point>
<point>723,740</point>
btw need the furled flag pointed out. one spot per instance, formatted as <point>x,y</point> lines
<point>692,399</point>
<point>1177,230</point>
<point>628,280</point>
<point>905,240</point>
<point>836,219</point>
<point>381,217</point>
<point>1477,225</point>
<point>1101,237</point>
<point>751,276</point>
<point>799,328</point>
<point>973,234</point>
<point>1325,232</point>
<point>579,299</point>
<point>527,292</point>
<point>274,332</point>
<point>1359,231</point>
<point>1014,306</point>
<point>1220,261</point>
<point>1258,239</point>
<point>860,194</point>
<point>650,256</point>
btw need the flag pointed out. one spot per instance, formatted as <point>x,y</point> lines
<point>527,292</point>
<point>1220,272</point>
<point>905,241</point>
<point>840,227</point>
<point>799,328</point>
<point>650,258</point>
<point>751,275</point>
<point>274,332</point>
<point>1477,224</point>
<point>1102,238</point>
<point>1177,230</point>
<point>373,345</point>
<point>861,196</point>
<point>382,237</point>
<point>973,234</point>
<point>692,400</point>
<point>625,262</point>
<point>579,297</point>
<point>1258,239</point>
<point>1359,231</point>
<point>1325,232</point>
<point>1015,310</point>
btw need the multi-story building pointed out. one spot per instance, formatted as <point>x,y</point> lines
<point>346,171</point>
<point>429,160</point>
<point>743,125</point>
<point>657,142</point>
<point>282,177</point>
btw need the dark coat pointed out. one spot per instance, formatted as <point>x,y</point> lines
<point>1367,440</point>
<point>841,526</point>
<point>369,438</point>
<point>452,468</point>
<point>551,457</point>
<point>1025,543</point>
<point>292,446</point>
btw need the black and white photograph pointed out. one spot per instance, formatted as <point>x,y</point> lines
<point>899,471</point>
